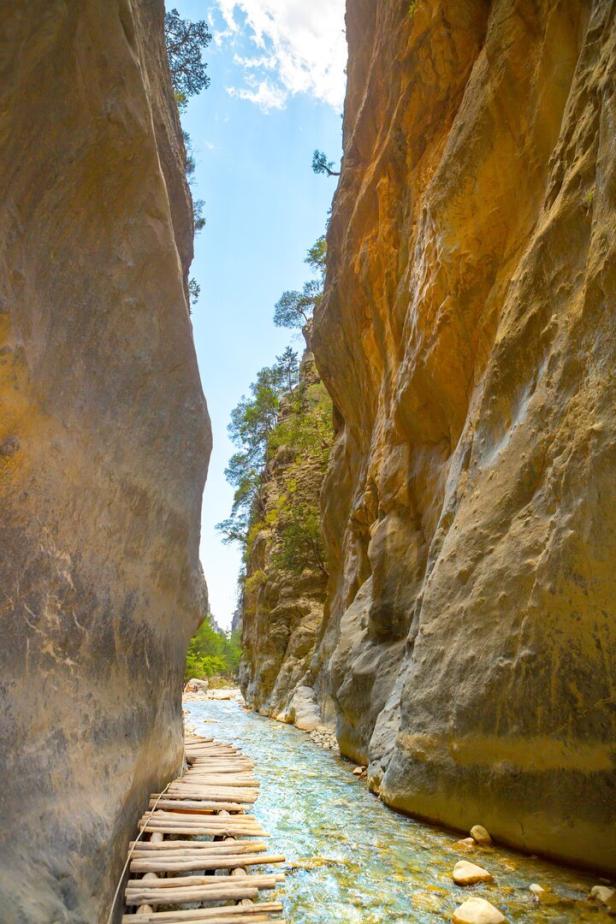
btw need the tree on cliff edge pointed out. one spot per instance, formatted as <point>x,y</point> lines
<point>295,308</point>
<point>185,42</point>
<point>320,164</point>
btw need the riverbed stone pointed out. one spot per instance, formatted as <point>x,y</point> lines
<point>465,873</point>
<point>477,911</point>
<point>196,685</point>
<point>466,843</point>
<point>536,889</point>
<point>604,895</point>
<point>480,835</point>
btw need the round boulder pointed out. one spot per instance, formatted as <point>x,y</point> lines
<point>477,911</point>
<point>465,873</point>
<point>480,836</point>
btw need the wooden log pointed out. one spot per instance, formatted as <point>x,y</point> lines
<point>235,822</point>
<point>209,821</point>
<point>205,830</point>
<point>212,787</point>
<point>221,849</point>
<point>214,794</point>
<point>230,912</point>
<point>260,918</point>
<point>233,762</point>
<point>211,760</point>
<point>149,847</point>
<point>269,881</point>
<point>219,779</point>
<point>203,862</point>
<point>245,797</point>
<point>145,907</point>
<point>179,804</point>
<point>181,896</point>
<point>199,818</point>
<point>218,792</point>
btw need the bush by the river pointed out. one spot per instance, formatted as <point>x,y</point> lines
<point>212,653</point>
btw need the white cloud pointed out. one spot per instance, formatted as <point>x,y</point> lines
<point>299,45</point>
<point>264,93</point>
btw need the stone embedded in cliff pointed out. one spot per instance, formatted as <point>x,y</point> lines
<point>105,440</point>
<point>466,336</point>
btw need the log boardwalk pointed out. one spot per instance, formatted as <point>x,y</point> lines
<point>197,845</point>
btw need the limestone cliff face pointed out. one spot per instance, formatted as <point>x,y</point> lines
<point>104,440</point>
<point>468,339</point>
<point>282,596</point>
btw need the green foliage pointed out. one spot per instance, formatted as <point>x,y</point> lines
<point>198,216</point>
<point>194,290</point>
<point>301,543</point>
<point>212,652</point>
<point>289,413</point>
<point>257,579</point>
<point>295,309</point>
<point>252,421</point>
<point>306,432</point>
<point>185,41</point>
<point>320,164</point>
<point>317,255</point>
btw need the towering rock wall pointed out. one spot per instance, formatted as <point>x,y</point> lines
<point>104,441</point>
<point>283,594</point>
<point>468,340</point>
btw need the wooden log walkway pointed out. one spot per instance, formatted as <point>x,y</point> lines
<point>197,845</point>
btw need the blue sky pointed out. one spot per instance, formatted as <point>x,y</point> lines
<point>276,87</point>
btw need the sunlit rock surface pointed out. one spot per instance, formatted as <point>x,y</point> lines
<point>467,337</point>
<point>104,441</point>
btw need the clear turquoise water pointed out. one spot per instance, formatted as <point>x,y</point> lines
<point>352,860</point>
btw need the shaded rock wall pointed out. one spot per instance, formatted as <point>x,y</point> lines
<point>281,607</point>
<point>468,340</point>
<point>104,441</point>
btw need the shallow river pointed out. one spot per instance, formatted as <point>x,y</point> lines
<point>354,861</point>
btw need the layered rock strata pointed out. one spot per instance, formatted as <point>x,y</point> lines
<point>467,337</point>
<point>104,441</point>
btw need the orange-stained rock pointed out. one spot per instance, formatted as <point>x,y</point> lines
<point>104,441</point>
<point>468,339</point>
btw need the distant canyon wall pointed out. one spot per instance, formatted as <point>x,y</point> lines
<point>104,442</point>
<point>468,340</point>
<point>283,593</point>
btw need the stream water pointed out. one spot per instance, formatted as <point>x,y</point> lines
<point>352,860</point>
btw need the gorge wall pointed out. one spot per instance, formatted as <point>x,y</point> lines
<point>468,340</point>
<point>284,589</point>
<point>104,441</point>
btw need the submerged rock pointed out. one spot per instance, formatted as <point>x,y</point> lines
<point>604,895</point>
<point>537,890</point>
<point>466,843</point>
<point>465,873</point>
<point>477,911</point>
